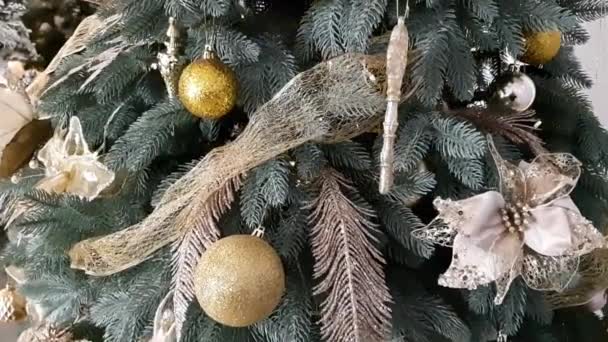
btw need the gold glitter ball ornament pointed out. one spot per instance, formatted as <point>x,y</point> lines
<point>541,47</point>
<point>239,280</point>
<point>207,87</point>
<point>13,306</point>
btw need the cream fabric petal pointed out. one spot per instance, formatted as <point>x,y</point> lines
<point>477,217</point>
<point>481,215</point>
<point>549,231</point>
<point>471,266</point>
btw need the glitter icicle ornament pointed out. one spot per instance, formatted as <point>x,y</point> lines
<point>13,306</point>
<point>239,280</point>
<point>207,87</point>
<point>541,47</point>
<point>396,62</point>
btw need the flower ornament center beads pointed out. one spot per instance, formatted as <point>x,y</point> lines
<point>529,228</point>
<point>515,217</point>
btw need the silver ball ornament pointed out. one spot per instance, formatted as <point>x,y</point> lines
<point>514,91</point>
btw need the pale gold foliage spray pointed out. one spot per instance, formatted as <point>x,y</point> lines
<point>348,264</point>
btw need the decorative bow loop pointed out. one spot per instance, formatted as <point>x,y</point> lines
<point>71,167</point>
<point>548,231</point>
<point>530,228</point>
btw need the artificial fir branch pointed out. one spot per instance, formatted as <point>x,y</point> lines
<point>348,264</point>
<point>189,249</point>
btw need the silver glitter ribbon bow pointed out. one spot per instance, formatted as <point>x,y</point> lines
<point>531,227</point>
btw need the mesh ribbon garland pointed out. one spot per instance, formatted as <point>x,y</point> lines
<point>331,102</point>
<point>530,228</point>
<point>590,285</point>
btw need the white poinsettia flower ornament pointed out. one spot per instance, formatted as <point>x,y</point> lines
<point>70,167</point>
<point>531,227</point>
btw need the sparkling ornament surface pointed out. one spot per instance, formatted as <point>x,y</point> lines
<point>208,88</point>
<point>541,47</point>
<point>239,280</point>
<point>514,91</point>
<point>12,306</point>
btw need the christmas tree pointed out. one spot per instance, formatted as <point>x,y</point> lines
<point>219,170</point>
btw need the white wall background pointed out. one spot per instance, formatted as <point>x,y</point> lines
<point>594,57</point>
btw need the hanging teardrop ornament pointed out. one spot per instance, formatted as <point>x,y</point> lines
<point>396,62</point>
<point>170,62</point>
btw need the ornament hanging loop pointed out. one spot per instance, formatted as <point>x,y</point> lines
<point>259,232</point>
<point>208,53</point>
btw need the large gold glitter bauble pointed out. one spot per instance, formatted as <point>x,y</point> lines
<point>12,305</point>
<point>541,47</point>
<point>239,280</point>
<point>208,88</point>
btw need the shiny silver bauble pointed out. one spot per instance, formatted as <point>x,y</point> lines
<point>513,91</point>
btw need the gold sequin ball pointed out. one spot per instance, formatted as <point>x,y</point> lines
<point>239,280</point>
<point>541,47</point>
<point>208,88</point>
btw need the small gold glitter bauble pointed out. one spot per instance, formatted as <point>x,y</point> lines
<point>541,47</point>
<point>239,280</point>
<point>208,88</point>
<point>12,305</point>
